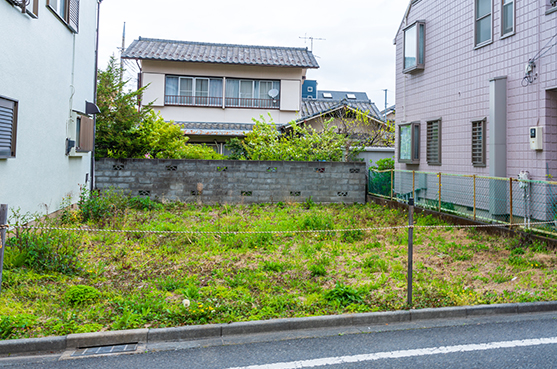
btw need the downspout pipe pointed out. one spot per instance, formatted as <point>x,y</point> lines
<point>92,170</point>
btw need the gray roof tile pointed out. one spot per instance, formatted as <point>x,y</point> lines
<point>203,52</point>
<point>313,107</point>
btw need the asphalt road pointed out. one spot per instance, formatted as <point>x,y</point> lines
<point>517,341</point>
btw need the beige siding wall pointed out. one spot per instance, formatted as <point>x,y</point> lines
<point>154,72</point>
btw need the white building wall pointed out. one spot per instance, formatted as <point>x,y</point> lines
<point>36,66</point>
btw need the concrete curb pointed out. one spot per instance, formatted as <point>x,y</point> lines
<point>82,340</point>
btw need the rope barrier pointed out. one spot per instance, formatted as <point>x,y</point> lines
<point>86,229</point>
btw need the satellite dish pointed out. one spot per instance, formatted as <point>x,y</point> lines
<point>273,93</point>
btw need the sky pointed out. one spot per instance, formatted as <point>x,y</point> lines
<point>356,53</point>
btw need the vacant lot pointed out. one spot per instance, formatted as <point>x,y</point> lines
<point>58,282</point>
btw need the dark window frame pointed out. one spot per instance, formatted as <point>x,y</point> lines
<point>414,143</point>
<point>420,47</point>
<point>478,143</point>
<point>13,144</point>
<point>431,160</point>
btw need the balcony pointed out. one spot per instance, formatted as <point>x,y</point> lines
<point>229,102</point>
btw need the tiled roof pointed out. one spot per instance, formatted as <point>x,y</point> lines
<point>215,128</point>
<point>314,107</point>
<point>203,52</point>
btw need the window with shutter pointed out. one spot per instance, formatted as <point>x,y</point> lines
<point>434,142</point>
<point>8,127</point>
<point>478,143</point>
<point>68,11</point>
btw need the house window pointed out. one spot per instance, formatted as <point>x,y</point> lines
<point>193,91</point>
<point>68,11</point>
<point>434,142</point>
<point>483,11</point>
<point>507,23</point>
<point>414,47</point>
<point>478,143</point>
<point>252,93</point>
<point>31,6</point>
<point>409,143</point>
<point>8,127</point>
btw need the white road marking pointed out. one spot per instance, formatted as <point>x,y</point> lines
<point>402,354</point>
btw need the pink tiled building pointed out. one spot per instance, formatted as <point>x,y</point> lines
<point>474,81</point>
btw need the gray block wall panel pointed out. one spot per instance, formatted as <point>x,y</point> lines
<point>268,181</point>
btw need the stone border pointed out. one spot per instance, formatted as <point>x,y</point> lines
<point>196,332</point>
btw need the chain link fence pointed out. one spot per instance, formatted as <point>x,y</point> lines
<point>489,199</point>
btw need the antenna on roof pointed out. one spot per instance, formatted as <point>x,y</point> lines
<point>311,39</point>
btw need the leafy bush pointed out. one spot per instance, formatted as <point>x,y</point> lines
<point>344,295</point>
<point>273,266</point>
<point>236,148</point>
<point>317,270</point>
<point>46,251</point>
<point>144,203</point>
<point>374,264</point>
<point>383,164</point>
<point>95,206</point>
<point>15,326</point>
<point>301,143</point>
<point>81,295</point>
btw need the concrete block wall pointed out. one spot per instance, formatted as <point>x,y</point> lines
<point>234,182</point>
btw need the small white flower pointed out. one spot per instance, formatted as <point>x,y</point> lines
<point>186,303</point>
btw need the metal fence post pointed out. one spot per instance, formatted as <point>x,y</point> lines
<point>511,201</point>
<point>392,183</point>
<point>3,226</point>
<point>439,193</point>
<point>410,247</point>
<point>413,184</point>
<point>474,176</point>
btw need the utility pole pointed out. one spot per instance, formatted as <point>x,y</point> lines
<point>122,52</point>
<point>385,114</point>
<point>311,39</point>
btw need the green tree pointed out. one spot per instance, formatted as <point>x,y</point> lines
<point>361,130</point>
<point>301,143</point>
<point>125,131</point>
<point>159,139</point>
<point>117,124</point>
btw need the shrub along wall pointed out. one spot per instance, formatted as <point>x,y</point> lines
<point>233,181</point>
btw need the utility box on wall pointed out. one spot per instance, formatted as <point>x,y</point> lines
<point>536,142</point>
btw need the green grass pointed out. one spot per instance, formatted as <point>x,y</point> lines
<point>57,282</point>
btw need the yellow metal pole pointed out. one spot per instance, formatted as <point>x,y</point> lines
<point>474,196</point>
<point>511,201</point>
<point>392,175</point>
<point>439,192</point>
<point>413,184</point>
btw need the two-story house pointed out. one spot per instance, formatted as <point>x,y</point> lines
<point>476,94</point>
<point>472,78</point>
<point>214,90</point>
<point>47,86</point>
